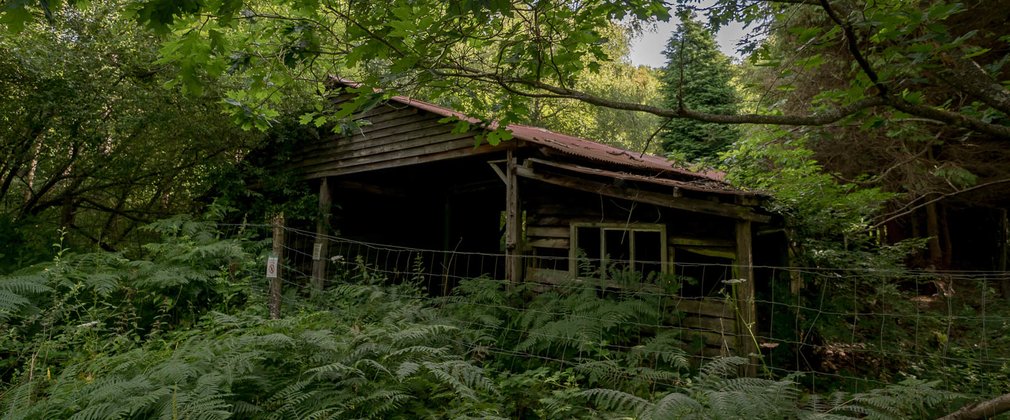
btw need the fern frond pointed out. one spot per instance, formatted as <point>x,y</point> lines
<point>325,413</point>
<point>11,303</point>
<point>17,400</point>
<point>723,367</point>
<point>421,333</point>
<point>908,398</point>
<point>425,351</point>
<point>28,284</point>
<point>174,371</point>
<point>276,340</point>
<point>203,403</point>
<point>407,369</point>
<point>319,339</point>
<point>675,406</point>
<point>460,376</point>
<point>334,370</point>
<point>614,400</point>
<point>602,372</point>
<point>245,409</point>
<point>665,347</point>
<point>375,366</point>
<point>15,290</point>
<point>290,399</point>
<point>379,403</point>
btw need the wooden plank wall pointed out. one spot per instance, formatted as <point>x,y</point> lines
<point>550,211</point>
<point>712,322</point>
<point>395,135</point>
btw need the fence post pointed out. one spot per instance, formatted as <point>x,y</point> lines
<point>745,292</point>
<point>277,254</point>
<point>320,248</point>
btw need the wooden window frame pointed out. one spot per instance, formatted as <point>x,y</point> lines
<point>628,227</point>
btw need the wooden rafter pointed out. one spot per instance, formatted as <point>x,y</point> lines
<point>680,203</point>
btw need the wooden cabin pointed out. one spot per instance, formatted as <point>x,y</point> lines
<point>555,207</point>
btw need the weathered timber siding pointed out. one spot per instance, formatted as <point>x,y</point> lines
<point>394,136</point>
<point>712,324</point>
<point>550,212</point>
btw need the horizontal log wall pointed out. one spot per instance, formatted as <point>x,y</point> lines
<point>711,321</point>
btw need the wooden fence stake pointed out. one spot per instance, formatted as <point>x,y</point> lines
<point>276,273</point>
<point>745,293</point>
<point>320,247</point>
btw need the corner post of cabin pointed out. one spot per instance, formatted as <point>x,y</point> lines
<point>320,248</point>
<point>744,295</point>
<point>513,262</point>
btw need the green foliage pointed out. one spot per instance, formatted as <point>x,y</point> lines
<point>697,76</point>
<point>191,342</point>
<point>616,79</point>
<point>63,308</point>
<point>261,185</point>
<point>716,392</point>
<point>90,140</point>
<point>826,216</point>
<point>282,49</point>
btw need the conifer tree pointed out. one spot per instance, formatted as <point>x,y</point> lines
<point>697,76</point>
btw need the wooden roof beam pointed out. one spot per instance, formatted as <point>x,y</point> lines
<point>681,203</point>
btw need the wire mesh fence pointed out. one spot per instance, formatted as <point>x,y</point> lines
<point>859,327</point>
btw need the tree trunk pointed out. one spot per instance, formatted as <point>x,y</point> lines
<point>33,166</point>
<point>947,245</point>
<point>981,410</point>
<point>933,231</point>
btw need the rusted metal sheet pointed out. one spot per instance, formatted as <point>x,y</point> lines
<point>659,169</point>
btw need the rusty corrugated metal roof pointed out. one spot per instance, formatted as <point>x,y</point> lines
<point>601,152</point>
<point>711,181</point>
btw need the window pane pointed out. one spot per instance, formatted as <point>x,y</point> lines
<point>618,246</point>
<point>648,253</point>
<point>588,251</point>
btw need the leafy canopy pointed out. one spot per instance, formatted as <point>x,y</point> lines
<point>899,51</point>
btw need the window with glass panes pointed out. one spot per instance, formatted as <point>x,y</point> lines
<point>641,247</point>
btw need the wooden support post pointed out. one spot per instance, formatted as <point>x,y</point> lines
<point>746,310</point>
<point>795,277</point>
<point>320,249</point>
<point>513,229</point>
<point>276,273</point>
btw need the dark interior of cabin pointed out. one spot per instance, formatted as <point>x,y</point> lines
<point>448,208</point>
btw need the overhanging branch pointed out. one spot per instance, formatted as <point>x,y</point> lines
<point>912,209</point>
<point>816,119</point>
<point>820,118</point>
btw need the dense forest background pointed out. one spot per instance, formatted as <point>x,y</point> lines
<point>137,140</point>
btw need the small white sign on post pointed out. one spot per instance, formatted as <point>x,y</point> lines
<point>272,267</point>
<point>317,251</point>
